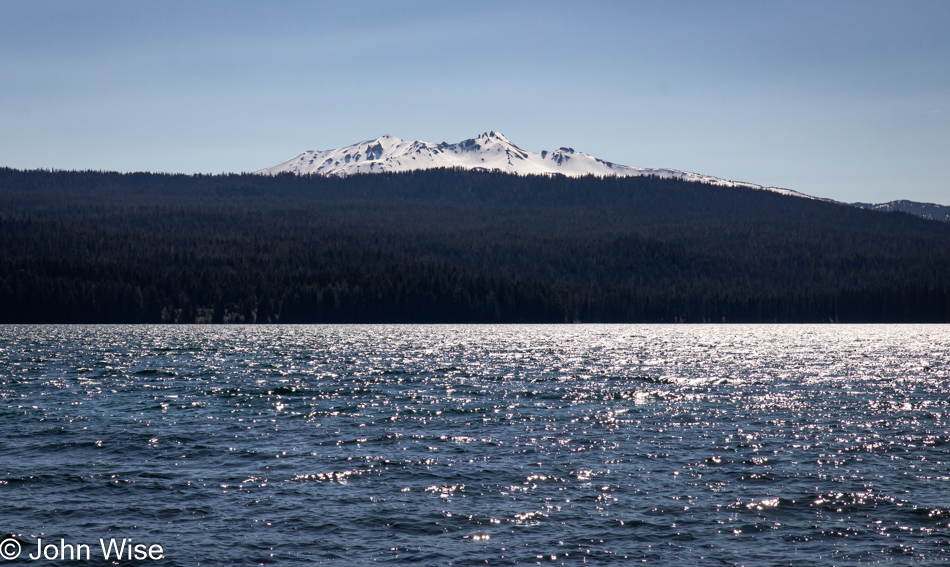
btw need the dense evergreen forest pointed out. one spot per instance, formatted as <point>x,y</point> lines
<point>452,246</point>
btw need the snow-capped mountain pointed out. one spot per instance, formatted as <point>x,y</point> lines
<point>491,151</point>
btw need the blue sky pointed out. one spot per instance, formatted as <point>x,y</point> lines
<point>846,99</point>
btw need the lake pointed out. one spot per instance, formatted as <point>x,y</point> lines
<point>472,445</point>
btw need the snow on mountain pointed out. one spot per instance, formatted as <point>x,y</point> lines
<point>491,151</point>
<point>930,211</point>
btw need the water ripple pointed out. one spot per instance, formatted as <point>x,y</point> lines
<point>471,444</point>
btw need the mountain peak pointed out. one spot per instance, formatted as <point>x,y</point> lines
<point>494,136</point>
<point>491,151</point>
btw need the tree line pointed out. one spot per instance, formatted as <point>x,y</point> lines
<point>452,246</point>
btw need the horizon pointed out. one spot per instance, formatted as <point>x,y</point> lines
<point>839,102</point>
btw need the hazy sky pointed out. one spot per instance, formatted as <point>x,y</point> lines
<point>843,99</point>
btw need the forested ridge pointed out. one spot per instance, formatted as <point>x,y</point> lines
<point>452,246</point>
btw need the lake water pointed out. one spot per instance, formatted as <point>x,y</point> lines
<point>473,445</point>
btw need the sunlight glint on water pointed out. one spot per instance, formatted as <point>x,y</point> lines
<point>461,444</point>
